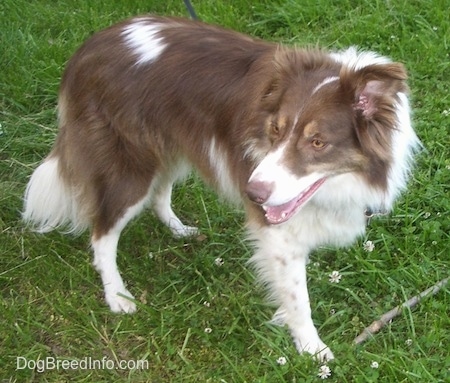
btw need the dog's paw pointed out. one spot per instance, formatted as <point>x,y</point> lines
<point>184,231</point>
<point>324,355</point>
<point>316,348</point>
<point>121,302</point>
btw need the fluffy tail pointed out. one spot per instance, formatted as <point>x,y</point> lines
<point>50,203</point>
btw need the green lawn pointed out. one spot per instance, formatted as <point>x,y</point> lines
<point>199,321</point>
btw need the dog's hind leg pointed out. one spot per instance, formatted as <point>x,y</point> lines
<point>162,203</point>
<point>104,244</point>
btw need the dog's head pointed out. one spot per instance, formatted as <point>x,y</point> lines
<point>322,118</point>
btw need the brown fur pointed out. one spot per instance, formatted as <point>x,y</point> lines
<point>143,101</point>
<point>122,124</point>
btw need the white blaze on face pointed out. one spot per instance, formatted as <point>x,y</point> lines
<point>327,81</point>
<point>289,191</point>
<point>142,37</point>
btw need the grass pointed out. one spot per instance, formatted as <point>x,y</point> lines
<point>51,298</point>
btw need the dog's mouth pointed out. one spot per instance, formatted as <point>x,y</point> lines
<point>282,213</point>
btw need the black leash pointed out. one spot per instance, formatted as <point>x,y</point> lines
<point>190,9</point>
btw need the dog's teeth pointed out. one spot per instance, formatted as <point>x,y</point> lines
<point>283,215</point>
<point>265,208</point>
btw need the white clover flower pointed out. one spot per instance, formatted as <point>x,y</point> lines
<point>368,246</point>
<point>335,277</point>
<point>206,304</point>
<point>408,342</point>
<point>374,364</point>
<point>324,372</point>
<point>219,261</point>
<point>208,330</point>
<point>281,361</point>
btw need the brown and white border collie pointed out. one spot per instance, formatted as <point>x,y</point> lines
<point>306,140</point>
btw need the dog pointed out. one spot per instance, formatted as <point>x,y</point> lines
<point>306,140</point>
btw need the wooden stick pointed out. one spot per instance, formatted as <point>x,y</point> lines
<point>387,317</point>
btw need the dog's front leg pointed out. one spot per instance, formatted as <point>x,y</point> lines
<point>283,268</point>
<point>295,309</point>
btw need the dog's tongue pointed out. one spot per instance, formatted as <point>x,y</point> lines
<point>279,214</point>
<point>282,213</point>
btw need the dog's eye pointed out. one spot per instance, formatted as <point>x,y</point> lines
<point>275,129</point>
<point>317,143</point>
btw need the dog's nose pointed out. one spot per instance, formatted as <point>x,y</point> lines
<point>259,191</point>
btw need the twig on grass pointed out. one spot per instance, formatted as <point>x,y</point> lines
<point>387,317</point>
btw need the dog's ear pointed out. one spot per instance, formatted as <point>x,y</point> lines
<point>372,92</point>
<point>367,97</point>
<point>274,75</point>
<point>374,88</point>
